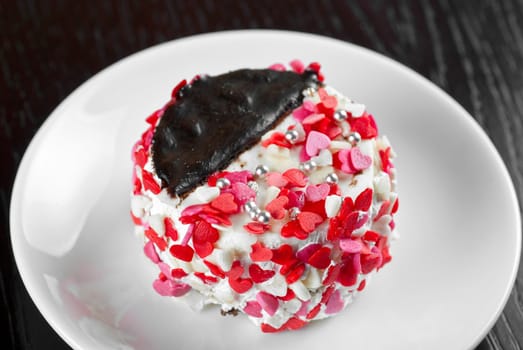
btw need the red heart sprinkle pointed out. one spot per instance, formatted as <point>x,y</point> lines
<point>178,87</point>
<point>204,232</point>
<point>314,311</point>
<point>260,275</point>
<point>260,252</point>
<point>371,236</point>
<point>364,200</point>
<point>277,138</point>
<point>225,203</point>
<point>178,273</point>
<point>289,296</point>
<point>327,294</point>
<point>140,157</point>
<point>295,177</point>
<point>206,279</point>
<point>332,275</point>
<point>153,236</point>
<point>286,268</point>
<point>384,209</point>
<point>241,285</point>
<point>170,231</point>
<point>236,270</point>
<point>256,228</point>
<point>370,261</point>
<point>215,269</point>
<point>361,286</point>
<point>295,274</point>
<point>149,183</point>
<point>306,252</point>
<point>182,252</point>
<point>153,118</point>
<point>364,125</point>
<point>309,221</point>
<point>348,275</point>
<point>276,207</point>
<point>395,206</point>
<point>282,255</point>
<point>267,328</point>
<point>203,249</point>
<point>294,323</point>
<point>293,229</point>
<point>321,258</point>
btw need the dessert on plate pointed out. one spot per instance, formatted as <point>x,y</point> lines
<point>266,192</point>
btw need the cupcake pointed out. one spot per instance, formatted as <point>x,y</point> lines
<point>266,192</point>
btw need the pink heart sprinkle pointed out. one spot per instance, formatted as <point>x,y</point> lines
<point>278,67</point>
<point>310,106</point>
<point>318,192</point>
<point>253,308</point>
<point>303,309</point>
<point>276,179</point>
<point>346,166</point>
<point>358,160</point>
<point>166,270</point>
<point>335,303</point>
<point>268,302</point>
<point>350,245</point>
<point>316,141</point>
<point>170,288</point>
<point>150,252</point>
<point>313,119</point>
<point>297,66</point>
<point>242,192</point>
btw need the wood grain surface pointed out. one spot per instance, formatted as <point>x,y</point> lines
<point>472,49</point>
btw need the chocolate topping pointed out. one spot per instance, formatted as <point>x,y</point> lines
<point>215,119</point>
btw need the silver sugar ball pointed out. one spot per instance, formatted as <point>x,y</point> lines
<point>223,183</point>
<point>250,206</point>
<point>263,216</point>
<point>354,138</point>
<point>294,212</point>
<point>261,170</point>
<point>308,166</point>
<point>332,178</point>
<point>292,135</point>
<point>340,115</point>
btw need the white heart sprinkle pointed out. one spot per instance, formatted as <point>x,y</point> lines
<point>300,290</point>
<point>324,158</point>
<point>332,205</point>
<point>335,145</point>
<point>276,286</point>
<point>356,109</point>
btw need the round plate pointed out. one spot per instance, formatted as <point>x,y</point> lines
<point>73,239</point>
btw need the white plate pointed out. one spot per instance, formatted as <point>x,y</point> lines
<point>452,270</point>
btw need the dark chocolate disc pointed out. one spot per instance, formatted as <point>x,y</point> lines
<point>215,119</point>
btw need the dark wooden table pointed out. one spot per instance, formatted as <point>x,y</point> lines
<point>472,49</point>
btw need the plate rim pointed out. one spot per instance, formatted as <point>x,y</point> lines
<point>21,172</point>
